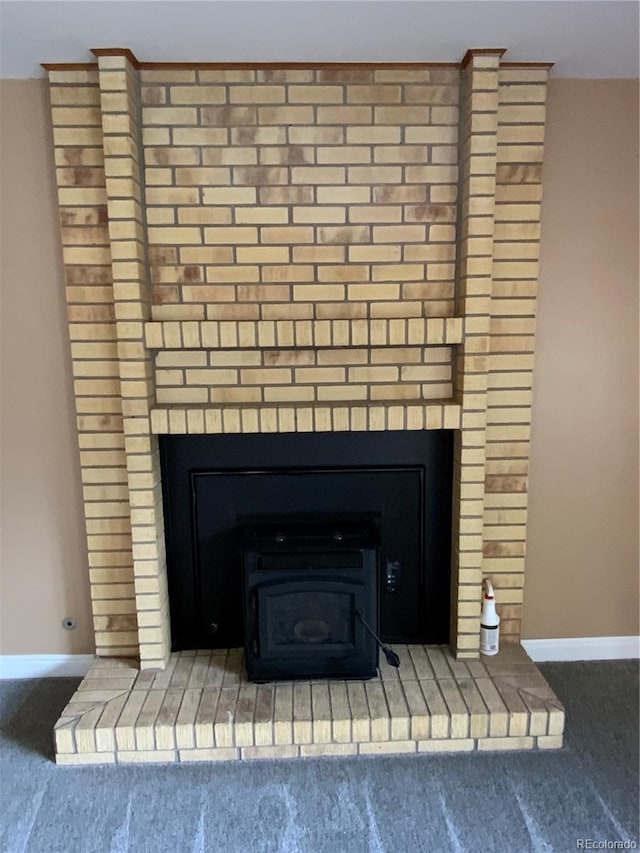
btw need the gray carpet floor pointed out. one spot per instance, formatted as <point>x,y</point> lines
<point>515,802</point>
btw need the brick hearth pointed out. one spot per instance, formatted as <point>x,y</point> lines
<point>201,708</point>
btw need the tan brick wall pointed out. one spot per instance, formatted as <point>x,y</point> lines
<point>302,195</point>
<point>82,197</point>
<point>303,249</point>
<point>276,190</point>
<point>521,114</point>
<point>298,375</point>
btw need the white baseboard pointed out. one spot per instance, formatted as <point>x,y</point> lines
<point>44,666</point>
<point>583,648</point>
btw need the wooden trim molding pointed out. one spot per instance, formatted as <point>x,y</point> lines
<point>288,66</point>
<point>116,51</point>
<point>292,66</point>
<point>546,66</point>
<point>481,51</point>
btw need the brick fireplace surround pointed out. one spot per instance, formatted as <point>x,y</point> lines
<point>298,248</point>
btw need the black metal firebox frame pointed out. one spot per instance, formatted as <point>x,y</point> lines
<point>202,586</point>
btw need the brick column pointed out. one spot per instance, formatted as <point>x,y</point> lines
<point>119,93</point>
<point>478,143</point>
<point>86,252</point>
<point>521,117</point>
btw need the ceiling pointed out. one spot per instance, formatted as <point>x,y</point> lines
<point>582,38</point>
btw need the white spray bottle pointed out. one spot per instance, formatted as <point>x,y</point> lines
<point>489,622</point>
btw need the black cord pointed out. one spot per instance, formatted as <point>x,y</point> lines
<point>390,655</point>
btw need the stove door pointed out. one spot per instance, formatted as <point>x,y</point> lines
<point>310,627</point>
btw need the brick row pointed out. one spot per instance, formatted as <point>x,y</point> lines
<point>398,415</point>
<point>299,92</point>
<point>272,334</point>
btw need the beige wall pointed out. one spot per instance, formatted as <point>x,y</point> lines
<point>43,566</point>
<point>581,576</point>
<point>583,531</point>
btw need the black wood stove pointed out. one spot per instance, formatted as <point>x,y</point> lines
<point>310,598</point>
